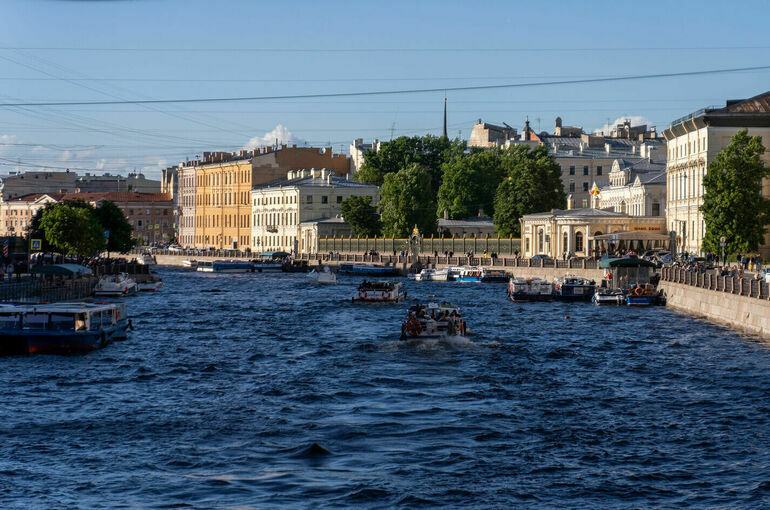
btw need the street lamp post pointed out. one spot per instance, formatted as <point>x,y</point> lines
<point>722,243</point>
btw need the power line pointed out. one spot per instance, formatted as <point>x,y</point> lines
<point>394,92</point>
<point>387,50</point>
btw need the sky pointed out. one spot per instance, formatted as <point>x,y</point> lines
<point>103,50</point>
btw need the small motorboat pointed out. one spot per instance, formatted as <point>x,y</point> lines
<point>469,274</point>
<point>609,297</point>
<point>153,284</point>
<point>432,275</point>
<point>115,285</point>
<point>61,327</point>
<point>642,295</point>
<point>190,263</point>
<point>433,322</point>
<point>573,288</point>
<point>324,276</point>
<point>146,259</point>
<point>380,292</point>
<point>523,290</point>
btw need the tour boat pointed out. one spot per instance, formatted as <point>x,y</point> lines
<point>494,276</point>
<point>609,297</point>
<point>324,276</point>
<point>380,292</point>
<point>153,283</point>
<point>115,285</point>
<point>433,322</point>
<point>190,263</point>
<point>225,266</point>
<point>432,275</point>
<point>367,270</point>
<point>60,327</point>
<point>146,259</point>
<point>263,266</point>
<point>573,288</point>
<point>469,274</point>
<point>522,290</point>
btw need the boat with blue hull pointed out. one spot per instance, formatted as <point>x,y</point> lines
<point>225,266</point>
<point>61,327</point>
<point>573,288</point>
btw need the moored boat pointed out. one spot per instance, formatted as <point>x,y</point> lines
<point>60,327</point>
<point>432,275</point>
<point>522,290</point>
<point>609,297</point>
<point>573,288</point>
<point>146,259</point>
<point>190,263</point>
<point>153,284</point>
<point>324,276</point>
<point>367,270</point>
<point>494,276</point>
<point>115,285</point>
<point>469,274</point>
<point>380,292</point>
<point>642,295</point>
<point>225,266</point>
<point>433,322</point>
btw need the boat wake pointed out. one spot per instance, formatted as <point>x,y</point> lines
<point>448,343</point>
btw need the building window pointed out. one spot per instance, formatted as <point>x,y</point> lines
<point>585,204</point>
<point>324,199</point>
<point>130,212</point>
<point>572,186</point>
<point>598,170</point>
<point>309,199</point>
<point>585,170</point>
<point>339,199</point>
<point>656,209</point>
<point>585,186</point>
<point>147,212</point>
<point>572,170</point>
<point>578,241</point>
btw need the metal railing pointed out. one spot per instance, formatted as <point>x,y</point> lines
<point>710,280</point>
<point>41,290</point>
<point>488,261</point>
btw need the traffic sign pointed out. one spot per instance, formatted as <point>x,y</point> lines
<point>35,244</point>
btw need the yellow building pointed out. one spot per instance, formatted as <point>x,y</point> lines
<point>223,182</point>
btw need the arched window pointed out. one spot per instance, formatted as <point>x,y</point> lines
<point>597,233</point>
<point>565,242</point>
<point>578,241</point>
<point>540,241</point>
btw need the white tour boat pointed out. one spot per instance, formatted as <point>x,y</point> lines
<point>190,263</point>
<point>380,292</point>
<point>432,275</point>
<point>522,290</point>
<point>324,276</point>
<point>433,322</point>
<point>115,285</point>
<point>146,259</point>
<point>225,266</point>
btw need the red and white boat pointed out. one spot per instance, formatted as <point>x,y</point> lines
<point>380,292</point>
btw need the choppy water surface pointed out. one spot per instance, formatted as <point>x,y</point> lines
<point>260,390</point>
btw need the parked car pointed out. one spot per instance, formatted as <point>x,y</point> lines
<point>175,248</point>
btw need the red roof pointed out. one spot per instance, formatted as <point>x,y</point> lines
<point>31,197</point>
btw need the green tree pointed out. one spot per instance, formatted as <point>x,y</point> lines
<point>469,184</point>
<point>532,184</point>
<point>733,204</point>
<point>406,201</point>
<point>362,215</point>
<point>71,229</point>
<point>35,231</point>
<point>112,219</point>
<point>428,151</point>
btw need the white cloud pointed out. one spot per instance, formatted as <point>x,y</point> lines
<point>636,120</point>
<point>281,133</point>
<point>65,155</point>
<point>6,139</point>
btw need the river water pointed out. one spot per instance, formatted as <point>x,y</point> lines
<point>264,391</point>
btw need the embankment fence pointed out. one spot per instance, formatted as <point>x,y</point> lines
<point>709,280</point>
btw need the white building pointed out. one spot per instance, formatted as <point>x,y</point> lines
<point>16,213</point>
<point>358,150</point>
<point>186,203</point>
<point>693,143</point>
<point>636,188</point>
<point>280,207</point>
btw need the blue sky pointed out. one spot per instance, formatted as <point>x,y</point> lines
<point>161,49</point>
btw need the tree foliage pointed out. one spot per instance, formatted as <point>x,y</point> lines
<point>71,229</point>
<point>430,152</point>
<point>532,183</point>
<point>733,204</point>
<point>362,215</point>
<point>112,219</point>
<point>469,184</point>
<point>407,200</point>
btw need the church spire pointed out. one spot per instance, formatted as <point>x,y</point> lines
<point>445,135</point>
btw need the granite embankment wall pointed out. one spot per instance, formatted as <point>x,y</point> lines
<point>738,303</point>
